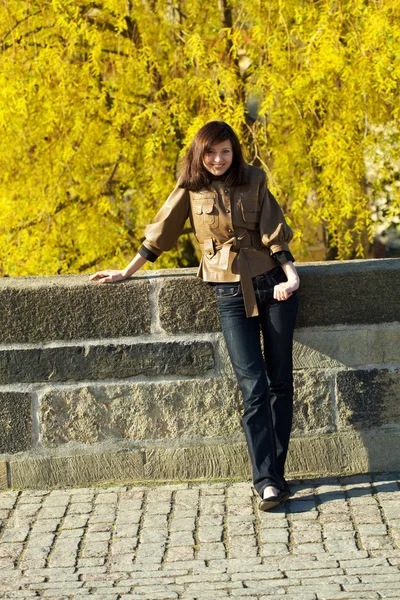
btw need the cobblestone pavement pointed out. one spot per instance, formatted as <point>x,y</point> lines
<point>336,538</point>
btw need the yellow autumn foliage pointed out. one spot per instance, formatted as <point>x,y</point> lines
<point>99,100</point>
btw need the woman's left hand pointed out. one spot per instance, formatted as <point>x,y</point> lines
<point>284,290</point>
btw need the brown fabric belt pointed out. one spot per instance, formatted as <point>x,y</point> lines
<point>234,244</point>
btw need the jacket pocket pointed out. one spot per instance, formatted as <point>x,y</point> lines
<point>205,211</point>
<point>249,209</point>
<point>208,248</point>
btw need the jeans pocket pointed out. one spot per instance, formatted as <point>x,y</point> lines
<point>227,290</point>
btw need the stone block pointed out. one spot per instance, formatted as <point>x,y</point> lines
<point>337,453</point>
<point>383,448</point>
<point>3,475</point>
<point>104,361</point>
<point>313,407</point>
<point>327,454</point>
<point>385,344</point>
<point>331,292</point>
<point>223,460</point>
<point>187,305</point>
<point>330,348</point>
<point>340,453</point>
<point>188,409</point>
<point>368,399</point>
<point>344,453</point>
<point>68,307</point>
<point>79,470</point>
<point>15,421</point>
<point>72,307</point>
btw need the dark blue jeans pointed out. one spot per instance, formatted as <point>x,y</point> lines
<point>266,382</point>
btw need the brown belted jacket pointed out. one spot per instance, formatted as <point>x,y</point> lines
<point>238,229</point>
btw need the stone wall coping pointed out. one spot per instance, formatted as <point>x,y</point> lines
<point>174,301</point>
<point>333,266</point>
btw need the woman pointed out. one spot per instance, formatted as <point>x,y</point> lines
<point>244,240</point>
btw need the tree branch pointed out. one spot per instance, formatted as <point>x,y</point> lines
<point>16,25</point>
<point>21,37</point>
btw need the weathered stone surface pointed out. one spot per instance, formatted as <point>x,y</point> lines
<point>105,361</point>
<point>202,415</point>
<point>342,453</point>
<point>368,398</point>
<point>69,307</point>
<point>72,306</point>
<point>334,453</point>
<point>383,448</point>
<point>330,348</point>
<point>313,408</point>
<point>76,470</point>
<point>198,462</point>
<point>186,305</point>
<point>15,421</point>
<point>3,475</point>
<point>385,344</point>
<point>330,292</point>
<point>187,409</point>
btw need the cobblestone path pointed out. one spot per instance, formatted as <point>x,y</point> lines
<point>336,538</point>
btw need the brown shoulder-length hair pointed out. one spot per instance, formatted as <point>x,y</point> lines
<point>194,175</point>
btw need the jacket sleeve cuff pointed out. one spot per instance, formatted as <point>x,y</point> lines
<point>282,257</point>
<point>279,247</point>
<point>147,254</point>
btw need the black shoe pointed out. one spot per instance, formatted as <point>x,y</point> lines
<point>273,501</point>
<point>284,494</point>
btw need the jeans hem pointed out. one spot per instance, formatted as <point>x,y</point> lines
<point>268,483</point>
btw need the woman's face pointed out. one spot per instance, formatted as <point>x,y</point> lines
<point>218,159</point>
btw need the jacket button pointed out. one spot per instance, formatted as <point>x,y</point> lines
<point>227,210</point>
<point>230,230</point>
<point>226,191</point>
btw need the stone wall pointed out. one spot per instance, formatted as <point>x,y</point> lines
<point>131,381</point>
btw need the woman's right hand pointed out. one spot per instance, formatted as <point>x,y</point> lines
<point>109,275</point>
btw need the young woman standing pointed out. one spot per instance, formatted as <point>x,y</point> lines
<point>245,255</point>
